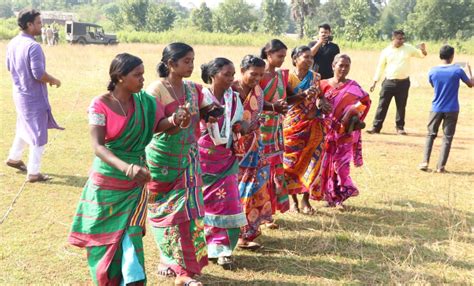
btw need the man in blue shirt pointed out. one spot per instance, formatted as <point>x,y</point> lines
<point>445,80</point>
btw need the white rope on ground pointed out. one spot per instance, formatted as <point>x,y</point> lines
<point>10,207</point>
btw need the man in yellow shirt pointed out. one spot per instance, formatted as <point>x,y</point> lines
<point>394,63</point>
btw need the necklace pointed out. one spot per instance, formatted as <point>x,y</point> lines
<point>120,104</point>
<point>173,93</point>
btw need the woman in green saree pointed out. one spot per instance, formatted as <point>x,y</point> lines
<point>110,217</point>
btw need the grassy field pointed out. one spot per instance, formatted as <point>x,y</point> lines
<point>406,226</point>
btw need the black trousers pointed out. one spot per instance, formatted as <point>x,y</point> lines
<point>449,120</point>
<point>397,88</point>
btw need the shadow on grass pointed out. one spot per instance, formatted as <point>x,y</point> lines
<point>408,237</point>
<point>208,279</point>
<point>68,180</point>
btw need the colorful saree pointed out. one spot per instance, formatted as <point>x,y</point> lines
<point>253,169</point>
<point>175,203</point>
<point>224,214</point>
<point>110,218</point>
<point>303,132</point>
<point>271,130</point>
<point>341,147</point>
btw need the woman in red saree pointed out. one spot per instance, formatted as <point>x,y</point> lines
<point>274,84</point>
<point>343,140</point>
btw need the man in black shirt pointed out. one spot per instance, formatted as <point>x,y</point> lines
<point>324,51</point>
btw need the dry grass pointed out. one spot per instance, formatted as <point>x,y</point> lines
<point>406,226</point>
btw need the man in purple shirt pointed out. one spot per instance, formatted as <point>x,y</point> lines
<point>26,63</point>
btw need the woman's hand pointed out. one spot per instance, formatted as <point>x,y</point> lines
<point>281,106</point>
<point>312,91</point>
<point>139,174</point>
<point>241,127</point>
<point>183,117</point>
<point>324,105</point>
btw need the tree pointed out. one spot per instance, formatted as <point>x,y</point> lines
<point>329,12</point>
<point>160,18</point>
<point>113,14</point>
<point>234,16</point>
<point>202,18</point>
<point>274,12</point>
<point>6,10</point>
<point>442,19</point>
<point>395,15</point>
<point>356,16</point>
<point>135,13</point>
<point>301,10</point>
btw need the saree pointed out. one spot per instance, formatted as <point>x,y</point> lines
<point>341,147</point>
<point>175,203</point>
<point>253,169</point>
<point>272,139</point>
<point>223,210</point>
<point>111,214</point>
<point>303,132</point>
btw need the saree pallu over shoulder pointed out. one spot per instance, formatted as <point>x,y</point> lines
<point>303,132</point>
<point>110,201</point>
<point>272,140</point>
<point>175,190</point>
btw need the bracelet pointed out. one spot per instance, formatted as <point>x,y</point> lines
<point>173,121</point>
<point>273,107</point>
<point>129,170</point>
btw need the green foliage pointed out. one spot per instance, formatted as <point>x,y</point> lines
<point>202,18</point>
<point>394,16</point>
<point>234,16</point>
<point>160,18</point>
<point>113,13</point>
<point>301,11</point>
<point>6,10</point>
<point>329,12</point>
<point>274,12</point>
<point>8,28</point>
<point>442,19</point>
<point>135,13</point>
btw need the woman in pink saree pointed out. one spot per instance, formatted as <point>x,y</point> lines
<point>343,140</point>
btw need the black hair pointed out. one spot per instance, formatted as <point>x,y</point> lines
<point>325,26</point>
<point>341,56</point>
<point>27,16</point>
<point>121,65</point>
<point>174,52</point>
<point>212,68</point>
<point>398,33</point>
<point>297,52</point>
<point>251,61</point>
<point>274,45</point>
<point>446,52</point>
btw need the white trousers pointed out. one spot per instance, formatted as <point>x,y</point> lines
<point>34,160</point>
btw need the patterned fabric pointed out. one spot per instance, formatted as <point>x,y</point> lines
<point>253,169</point>
<point>272,140</point>
<point>303,132</point>
<point>220,173</point>
<point>341,147</point>
<point>182,247</point>
<point>175,197</point>
<point>96,119</point>
<point>110,202</point>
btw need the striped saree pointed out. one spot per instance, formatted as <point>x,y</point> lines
<point>110,218</point>
<point>303,131</point>
<point>272,140</point>
<point>224,213</point>
<point>175,204</point>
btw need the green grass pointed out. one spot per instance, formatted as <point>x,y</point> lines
<point>406,226</point>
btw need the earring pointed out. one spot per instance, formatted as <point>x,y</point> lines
<point>120,80</point>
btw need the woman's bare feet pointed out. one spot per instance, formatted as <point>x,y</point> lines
<point>306,206</point>
<point>248,245</point>
<point>186,281</point>
<point>294,204</point>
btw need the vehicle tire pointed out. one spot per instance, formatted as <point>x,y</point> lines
<point>81,41</point>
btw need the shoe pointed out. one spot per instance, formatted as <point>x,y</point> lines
<point>38,178</point>
<point>19,165</point>
<point>249,245</point>
<point>373,131</point>
<point>226,262</point>
<point>423,167</point>
<point>401,131</point>
<point>441,170</point>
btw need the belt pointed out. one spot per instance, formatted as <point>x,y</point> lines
<point>398,80</point>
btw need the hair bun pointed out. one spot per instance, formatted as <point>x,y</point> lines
<point>162,69</point>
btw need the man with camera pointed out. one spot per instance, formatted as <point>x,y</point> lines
<point>324,51</point>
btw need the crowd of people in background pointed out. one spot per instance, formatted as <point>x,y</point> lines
<point>208,165</point>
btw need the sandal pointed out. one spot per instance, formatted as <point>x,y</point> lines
<point>166,272</point>
<point>226,262</point>
<point>294,208</point>
<point>272,225</point>
<point>19,165</point>
<point>251,245</point>
<point>189,282</point>
<point>308,211</point>
<point>38,178</point>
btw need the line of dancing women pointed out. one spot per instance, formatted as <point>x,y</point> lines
<point>207,166</point>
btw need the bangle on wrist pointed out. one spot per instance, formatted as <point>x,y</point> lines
<point>273,107</point>
<point>173,119</point>
<point>129,170</point>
